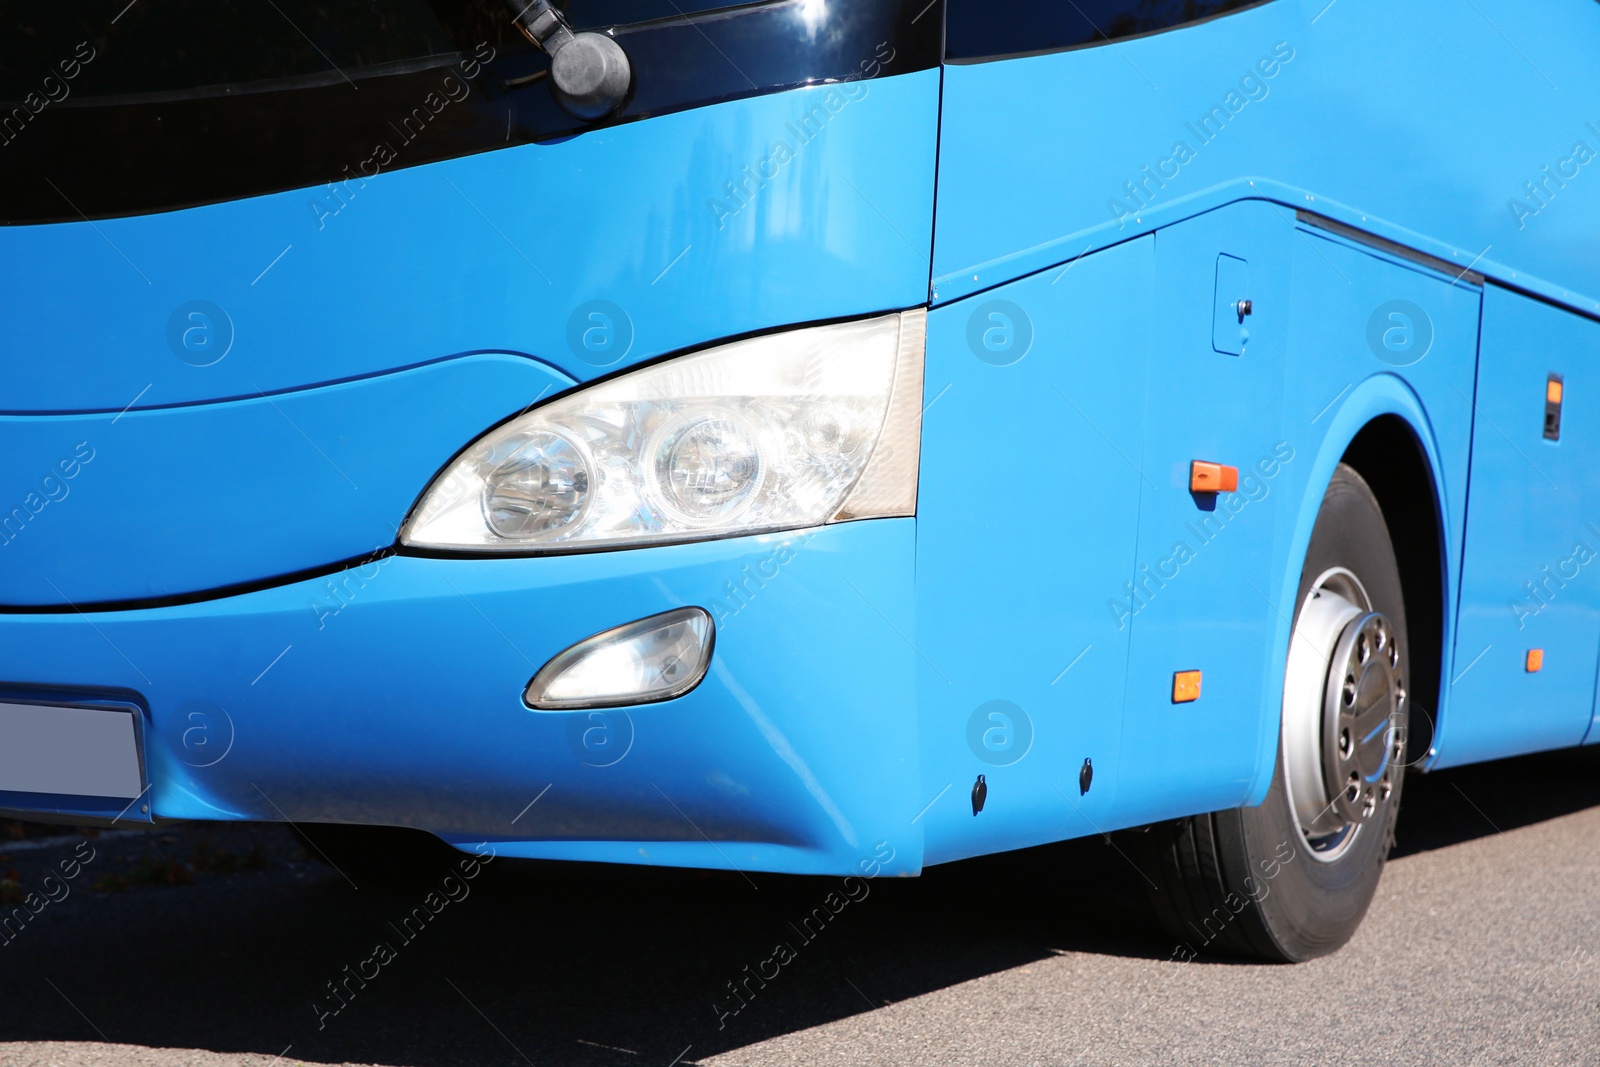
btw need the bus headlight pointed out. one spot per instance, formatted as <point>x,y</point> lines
<point>792,429</point>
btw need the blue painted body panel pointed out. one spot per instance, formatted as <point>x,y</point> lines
<point>492,252</point>
<point>1379,117</point>
<point>405,706</point>
<point>187,499</point>
<point>1200,557</point>
<point>1528,580</point>
<point>1026,513</point>
<point>1058,571</point>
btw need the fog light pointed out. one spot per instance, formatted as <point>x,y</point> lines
<point>657,658</point>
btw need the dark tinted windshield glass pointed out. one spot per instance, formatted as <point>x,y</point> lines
<point>198,101</point>
<point>173,46</point>
<point>592,14</point>
<point>978,29</point>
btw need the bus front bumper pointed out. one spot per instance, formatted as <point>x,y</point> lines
<point>392,694</point>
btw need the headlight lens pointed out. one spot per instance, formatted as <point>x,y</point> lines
<point>792,429</point>
<point>541,487</point>
<point>708,467</point>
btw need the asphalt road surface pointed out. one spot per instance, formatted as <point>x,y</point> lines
<point>206,945</point>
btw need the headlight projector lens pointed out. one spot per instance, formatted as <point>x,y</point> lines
<point>540,489</point>
<point>708,468</point>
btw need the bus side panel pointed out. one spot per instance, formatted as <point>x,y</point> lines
<point>1026,519</point>
<point>1531,574</point>
<point>1216,579</point>
<point>1300,101</point>
<point>1206,563</point>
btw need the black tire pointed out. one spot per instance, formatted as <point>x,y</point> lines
<point>375,854</point>
<point>1244,882</point>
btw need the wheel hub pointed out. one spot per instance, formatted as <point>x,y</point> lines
<point>1362,725</point>
<point>1344,713</point>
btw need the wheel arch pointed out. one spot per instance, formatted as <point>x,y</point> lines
<point>1388,454</point>
<point>1382,430</point>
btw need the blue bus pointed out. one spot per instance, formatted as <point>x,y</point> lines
<point>800,436</point>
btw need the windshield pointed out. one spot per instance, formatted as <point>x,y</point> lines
<point>155,47</point>
<point>196,101</point>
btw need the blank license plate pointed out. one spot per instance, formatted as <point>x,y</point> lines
<point>86,752</point>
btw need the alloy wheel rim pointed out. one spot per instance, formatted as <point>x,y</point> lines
<point>1344,714</point>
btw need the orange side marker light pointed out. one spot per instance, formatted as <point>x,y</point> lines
<point>1185,687</point>
<point>1535,660</point>
<point>1212,477</point>
<point>1553,392</point>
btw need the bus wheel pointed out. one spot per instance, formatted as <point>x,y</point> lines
<point>1292,878</point>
